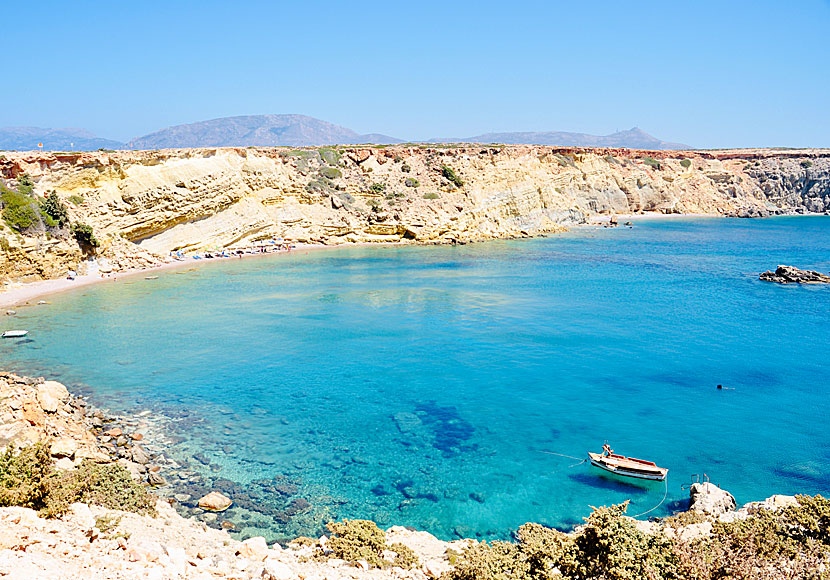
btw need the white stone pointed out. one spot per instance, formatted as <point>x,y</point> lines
<point>434,568</point>
<point>176,560</point>
<point>91,454</point>
<point>50,395</point>
<point>81,515</point>
<point>64,464</point>
<point>64,447</point>
<point>255,548</point>
<point>273,569</point>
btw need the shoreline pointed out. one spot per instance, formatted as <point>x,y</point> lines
<point>21,294</point>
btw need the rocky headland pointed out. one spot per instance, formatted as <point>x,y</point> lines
<point>142,205</point>
<point>113,528</point>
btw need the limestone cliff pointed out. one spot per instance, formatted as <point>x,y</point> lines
<point>144,204</point>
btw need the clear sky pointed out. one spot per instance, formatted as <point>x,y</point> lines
<point>705,73</point>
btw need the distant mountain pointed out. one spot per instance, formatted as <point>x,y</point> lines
<point>68,139</point>
<point>294,131</point>
<point>634,138</point>
<point>256,130</point>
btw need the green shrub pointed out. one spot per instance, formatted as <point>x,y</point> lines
<point>24,184</point>
<point>23,476</point>
<point>108,485</point>
<point>330,156</point>
<point>354,540</point>
<point>52,207</point>
<point>496,561</point>
<point>75,199</point>
<point>406,168</point>
<point>330,172</point>
<point>430,195</point>
<point>4,244</point>
<point>652,162</point>
<point>544,549</point>
<point>450,175</point>
<point>20,210</point>
<point>806,164</point>
<point>411,182</point>
<point>405,557</point>
<point>84,235</point>
<point>686,163</point>
<point>377,187</point>
<point>564,160</point>
<point>610,546</point>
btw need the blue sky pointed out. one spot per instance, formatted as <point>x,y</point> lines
<point>710,74</point>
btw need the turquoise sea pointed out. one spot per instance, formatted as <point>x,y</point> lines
<point>428,386</point>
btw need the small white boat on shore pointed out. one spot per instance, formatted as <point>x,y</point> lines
<point>627,466</point>
<point>15,333</point>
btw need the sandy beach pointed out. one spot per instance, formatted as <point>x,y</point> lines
<point>24,294</point>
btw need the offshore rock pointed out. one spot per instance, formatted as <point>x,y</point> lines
<point>792,275</point>
<point>708,498</point>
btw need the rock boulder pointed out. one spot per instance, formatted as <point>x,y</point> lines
<point>215,501</point>
<point>50,395</point>
<point>708,498</point>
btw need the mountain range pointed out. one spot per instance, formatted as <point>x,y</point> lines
<point>297,131</point>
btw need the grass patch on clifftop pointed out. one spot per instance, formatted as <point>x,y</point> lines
<point>28,479</point>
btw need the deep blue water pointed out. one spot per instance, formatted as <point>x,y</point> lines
<point>421,385</point>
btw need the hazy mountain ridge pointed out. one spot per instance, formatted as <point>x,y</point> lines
<point>65,139</point>
<point>258,131</point>
<point>296,131</point>
<point>634,138</point>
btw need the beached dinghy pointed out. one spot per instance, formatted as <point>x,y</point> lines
<point>15,333</point>
<point>627,466</point>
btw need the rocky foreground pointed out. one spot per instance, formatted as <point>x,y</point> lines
<point>142,205</point>
<point>88,541</point>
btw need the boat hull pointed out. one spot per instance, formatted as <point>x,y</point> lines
<point>656,474</point>
<point>15,333</point>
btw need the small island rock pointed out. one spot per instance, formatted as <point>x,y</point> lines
<point>215,501</point>
<point>792,275</point>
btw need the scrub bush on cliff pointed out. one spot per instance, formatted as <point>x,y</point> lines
<point>84,235</point>
<point>20,209</point>
<point>355,540</point>
<point>28,479</point>
<point>52,207</point>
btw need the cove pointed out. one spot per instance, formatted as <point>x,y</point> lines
<point>423,386</point>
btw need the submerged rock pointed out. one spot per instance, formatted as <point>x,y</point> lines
<point>215,501</point>
<point>792,275</point>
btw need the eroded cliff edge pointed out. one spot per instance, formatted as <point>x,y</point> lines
<point>145,204</point>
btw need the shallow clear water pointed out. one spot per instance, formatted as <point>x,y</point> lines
<point>421,385</point>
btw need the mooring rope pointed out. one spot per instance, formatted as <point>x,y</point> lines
<point>661,501</point>
<point>563,455</point>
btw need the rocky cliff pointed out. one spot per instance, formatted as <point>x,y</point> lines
<point>145,204</point>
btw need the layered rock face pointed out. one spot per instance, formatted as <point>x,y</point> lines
<point>145,204</point>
